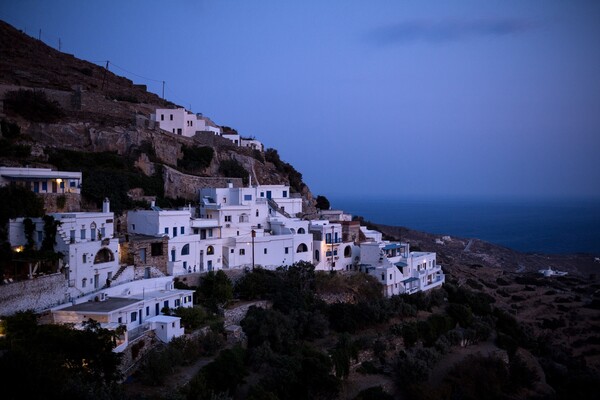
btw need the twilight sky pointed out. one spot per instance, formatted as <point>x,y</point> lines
<point>388,98</point>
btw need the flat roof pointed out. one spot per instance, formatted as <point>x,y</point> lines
<point>108,305</point>
<point>401,264</point>
<point>165,319</point>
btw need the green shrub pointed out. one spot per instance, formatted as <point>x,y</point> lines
<point>233,169</point>
<point>195,158</point>
<point>33,105</point>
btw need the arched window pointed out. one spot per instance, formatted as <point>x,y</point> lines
<point>301,231</point>
<point>302,248</point>
<point>348,252</point>
<point>210,250</point>
<point>317,255</point>
<point>185,250</point>
<point>104,255</point>
<point>293,231</point>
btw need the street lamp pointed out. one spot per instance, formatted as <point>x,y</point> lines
<point>332,259</point>
<point>253,236</point>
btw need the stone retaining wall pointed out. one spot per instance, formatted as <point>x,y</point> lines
<point>36,294</point>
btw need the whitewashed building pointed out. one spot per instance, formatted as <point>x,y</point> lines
<point>398,269</point>
<point>194,245</point>
<point>330,252</point>
<point>86,240</point>
<point>256,225</point>
<point>137,306</point>
<point>42,180</point>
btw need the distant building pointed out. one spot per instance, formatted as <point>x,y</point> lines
<point>47,184</point>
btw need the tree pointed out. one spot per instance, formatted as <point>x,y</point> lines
<point>58,362</point>
<point>323,203</point>
<point>215,290</point>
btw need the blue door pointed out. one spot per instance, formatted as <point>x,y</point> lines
<point>268,194</point>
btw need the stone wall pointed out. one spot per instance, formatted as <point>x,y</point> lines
<point>37,294</point>
<point>186,186</point>
<point>72,202</point>
<point>234,315</point>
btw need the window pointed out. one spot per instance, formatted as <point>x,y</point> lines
<point>383,277</point>
<point>36,187</point>
<point>84,258</point>
<point>301,231</point>
<point>179,131</point>
<point>232,251</point>
<point>302,248</point>
<point>45,186</point>
<point>83,234</point>
<point>228,218</point>
<point>142,255</point>
<point>317,255</point>
<point>72,184</point>
<point>83,282</point>
<point>133,227</point>
<point>120,320</point>
<point>171,117</point>
<point>257,212</point>
<point>242,252</point>
<point>167,230</point>
<point>390,277</point>
<point>177,303</point>
<point>174,231</point>
<point>210,250</point>
<point>347,251</point>
<point>247,197</point>
<point>166,303</point>
<point>104,255</point>
<point>185,250</point>
<point>133,316</point>
<point>210,232</point>
<point>335,252</point>
<point>262,194</point>
<point>265,251</point>
<point>182,230</point>
<point>285,193</point>
<point>328,253</point>
<point>72,235</point>
<point>147,310</point>
<point>287,250</point>
<point>156,249</point>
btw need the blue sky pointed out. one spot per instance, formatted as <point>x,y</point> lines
<point>378,98</point>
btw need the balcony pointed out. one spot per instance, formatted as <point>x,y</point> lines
<point>334,241</point>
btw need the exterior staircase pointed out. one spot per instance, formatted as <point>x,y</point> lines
<point>276,207</point>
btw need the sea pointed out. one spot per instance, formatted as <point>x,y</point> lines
<point>530,226</point>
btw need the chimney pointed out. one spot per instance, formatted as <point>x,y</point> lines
<point>106,205</point>
<point>152,203</point>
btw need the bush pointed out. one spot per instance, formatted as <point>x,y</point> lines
<point>33,106</point>
<point>195,158</point>
<point>191,317</point>
<point>232,168</point>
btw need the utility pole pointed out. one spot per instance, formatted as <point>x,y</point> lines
<point>253,236</point>
<point>104,77</point>
<point>40,34</point>
<point>163,90</point>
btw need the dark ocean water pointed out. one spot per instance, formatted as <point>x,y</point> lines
<point>534,226</point>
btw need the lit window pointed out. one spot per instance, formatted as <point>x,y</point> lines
<point>242,252</point>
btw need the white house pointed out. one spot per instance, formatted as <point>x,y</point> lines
<point>42,180</point>
<point>178,121</point>
<point>258,215</point>
<point>194,245</point>
<point>252,143</point>
<point>398,269</point>
<point>330,252</point>
<point>137,306</point>
<point>86,240</point>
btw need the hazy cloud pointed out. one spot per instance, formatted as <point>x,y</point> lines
<point>446,30</point>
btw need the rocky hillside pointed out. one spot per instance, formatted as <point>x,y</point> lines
<point>53,101</point>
